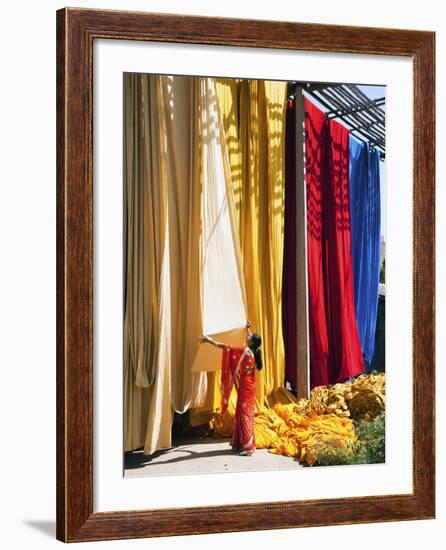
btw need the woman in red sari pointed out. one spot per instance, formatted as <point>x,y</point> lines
<point>238,367</point>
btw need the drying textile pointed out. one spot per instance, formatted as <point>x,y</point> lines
<point>181,105</point>
<point>145,240</point>
<point>335,351</point>
<point>317,313</point>
<point>223,310</point>
<point>365,211</point>
<point>345,348</point>
<point>253,115</point>
<point>284,430</point>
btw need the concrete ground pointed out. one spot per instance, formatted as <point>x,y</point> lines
<point>202,455</point>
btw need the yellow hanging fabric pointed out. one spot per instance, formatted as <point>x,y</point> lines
<point>254,119</point>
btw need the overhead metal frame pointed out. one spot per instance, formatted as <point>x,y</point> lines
<point>364,117</point>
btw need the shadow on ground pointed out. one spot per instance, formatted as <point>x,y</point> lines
<point>202,455</point>
<point>136,459</point>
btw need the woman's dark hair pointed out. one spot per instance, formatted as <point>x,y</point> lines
<point>254,345</point>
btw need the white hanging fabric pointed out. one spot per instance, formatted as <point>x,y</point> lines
<point>223,299</point>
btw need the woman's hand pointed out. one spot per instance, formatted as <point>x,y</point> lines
<point>248,324</point>
<point>209,340</point>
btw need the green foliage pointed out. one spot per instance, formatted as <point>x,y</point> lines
<point>370,448</point>
<point>331,455</point>
<point>382,274</point>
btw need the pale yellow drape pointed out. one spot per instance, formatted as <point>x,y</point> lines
<point>184,187</point>
<point>162,318</point>
<point>144,237</point>
<point>254,118</point>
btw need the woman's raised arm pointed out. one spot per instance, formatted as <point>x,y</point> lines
<point>209,340</point>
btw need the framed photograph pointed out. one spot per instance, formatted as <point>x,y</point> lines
<point>245,275</point>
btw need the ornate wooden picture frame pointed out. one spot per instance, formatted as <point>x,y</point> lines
<point>77,29</point>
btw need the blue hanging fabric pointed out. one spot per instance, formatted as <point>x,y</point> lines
<point>365,215</point>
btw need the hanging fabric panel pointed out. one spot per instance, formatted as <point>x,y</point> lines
<point>345,348</point>
<point>274,203</point>
<point>228,95</point>
<point>365,209</point>
<point>289,275</point>
<point>144,244</point>
<point>223,309</point>
<point>335,350</point>
<point>253,114</point>
<point>228,110</point>
<point>317,312</point>
<point>183,147</point>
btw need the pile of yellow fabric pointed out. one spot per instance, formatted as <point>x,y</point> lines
<point>363,398</point>
<point>324,422</point>
<point>285,430</point>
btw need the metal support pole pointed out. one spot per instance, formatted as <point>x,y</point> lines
<point>302,336</point>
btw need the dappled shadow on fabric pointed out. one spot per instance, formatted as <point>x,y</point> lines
<point>335,352</point>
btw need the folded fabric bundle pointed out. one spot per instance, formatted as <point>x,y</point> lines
<point>325,421</point>
<point>296,434</point>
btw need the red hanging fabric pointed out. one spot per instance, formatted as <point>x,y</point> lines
<point>335,350</point>
<point>317,317</point>
<point>345,348</point>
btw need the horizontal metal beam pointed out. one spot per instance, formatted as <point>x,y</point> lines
<point>375,103</point>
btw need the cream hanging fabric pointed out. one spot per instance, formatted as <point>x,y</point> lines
<point>223,301</point>
<point>183,153</point>
<point>144,243</point>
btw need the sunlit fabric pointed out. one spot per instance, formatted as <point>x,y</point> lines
<point>209,215</point>
<point>223,300</point>
<point>365,209</point>
<point>345,348</point>
<point>286,431</point>
<point>317,305</point>
<point>145,215</point>
<point>253,115</point>
<point>335,350</point>
<point>254,121</point>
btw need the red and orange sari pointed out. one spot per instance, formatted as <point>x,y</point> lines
<point>238,368</point>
